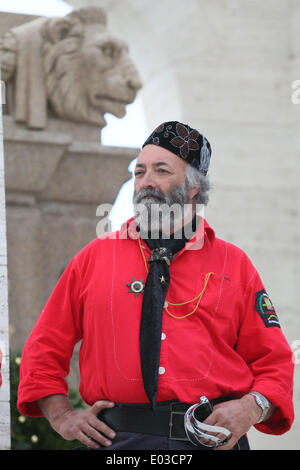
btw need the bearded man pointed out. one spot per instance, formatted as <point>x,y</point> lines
<point>181,345</point>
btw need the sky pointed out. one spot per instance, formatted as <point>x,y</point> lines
<point>130,131</point>
<point>36,7</point>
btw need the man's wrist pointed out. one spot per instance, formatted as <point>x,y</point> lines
<point>54,407</point>
<point>262,404</point>
<point>253,409</point>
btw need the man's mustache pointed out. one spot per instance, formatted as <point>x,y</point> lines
<point>149,192</point>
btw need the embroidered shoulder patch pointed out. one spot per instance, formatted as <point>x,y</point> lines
<point>265,309</point>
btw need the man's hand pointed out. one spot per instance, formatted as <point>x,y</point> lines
<point>237,416</point>
<point>83,426</point>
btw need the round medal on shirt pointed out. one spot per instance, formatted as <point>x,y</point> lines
<point>136,287</point>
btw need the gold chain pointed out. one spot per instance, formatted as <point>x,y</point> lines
<point>199,296</point>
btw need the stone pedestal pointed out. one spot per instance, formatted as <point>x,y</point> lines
<point>54,185</point>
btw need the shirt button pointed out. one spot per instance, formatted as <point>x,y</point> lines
<point>163,336</point>
<point>161,370</point>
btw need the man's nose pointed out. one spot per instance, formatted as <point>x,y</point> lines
<point>147,181</point>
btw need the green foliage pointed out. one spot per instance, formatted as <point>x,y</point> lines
<point>35,433</point>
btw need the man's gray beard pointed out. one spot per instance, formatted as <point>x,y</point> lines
<point>156,212</point>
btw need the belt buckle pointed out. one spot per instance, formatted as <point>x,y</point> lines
<point>172,413</point>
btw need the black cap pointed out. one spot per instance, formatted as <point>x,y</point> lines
<point>183,141</point>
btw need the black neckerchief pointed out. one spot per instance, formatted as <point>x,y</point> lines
<point>155,291</point>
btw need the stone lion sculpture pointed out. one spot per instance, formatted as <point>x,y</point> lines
<point>71,68</point>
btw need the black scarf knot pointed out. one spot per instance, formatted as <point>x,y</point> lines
<point>161,254</point>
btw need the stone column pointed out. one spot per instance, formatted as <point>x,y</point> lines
<point>295,207</point>
<point>4,389</point>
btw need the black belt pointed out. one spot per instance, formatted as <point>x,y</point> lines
<point>166,420</point>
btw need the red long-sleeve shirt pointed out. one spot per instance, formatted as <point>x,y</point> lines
<point>230,345</point>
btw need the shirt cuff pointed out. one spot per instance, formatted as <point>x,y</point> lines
<point>31,392</point>
<point>283,416</point>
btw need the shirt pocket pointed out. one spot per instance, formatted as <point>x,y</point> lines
<point>201,330</point>
<point>219,310</point>
<point>189,326</point>
<point>125,314</point>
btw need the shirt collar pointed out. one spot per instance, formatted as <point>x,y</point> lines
<point>204,232</point>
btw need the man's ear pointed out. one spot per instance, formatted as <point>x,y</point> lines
<point>193,191</point>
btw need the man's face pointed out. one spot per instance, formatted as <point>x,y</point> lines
<point>160,182</point>
<point>157,167</point>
